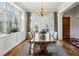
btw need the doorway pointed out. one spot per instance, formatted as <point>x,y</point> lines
<point>66,28</point>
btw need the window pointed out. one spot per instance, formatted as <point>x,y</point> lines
<point>18,18</point>
<point>15,23</point>
<point>2,16</point>
<point>10,18</point>
<point>1,27</point>
<point>39,23</point>
<point>2,20</point>
<point>10,8</point>
<point>1,4</point>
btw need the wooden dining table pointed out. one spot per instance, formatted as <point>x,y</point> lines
<point>43,40</point>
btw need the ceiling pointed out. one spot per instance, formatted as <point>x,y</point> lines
<point>73,10</point>
<point>35,6</point>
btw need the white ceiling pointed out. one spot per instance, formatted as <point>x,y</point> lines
<point>35,6</point>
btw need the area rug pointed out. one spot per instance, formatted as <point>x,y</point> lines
<point>75,42</point>
<point>59,48</point>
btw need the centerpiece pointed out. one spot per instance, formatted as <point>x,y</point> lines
<point>42,34</point>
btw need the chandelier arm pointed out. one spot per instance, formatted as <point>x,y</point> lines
<point>42,12</point>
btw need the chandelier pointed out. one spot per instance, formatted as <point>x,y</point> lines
<point>41,12</point>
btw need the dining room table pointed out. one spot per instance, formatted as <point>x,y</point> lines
<point>43,40</point>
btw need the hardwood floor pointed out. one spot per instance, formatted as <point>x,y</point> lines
<point>69,48</point>
<point>17,49</point>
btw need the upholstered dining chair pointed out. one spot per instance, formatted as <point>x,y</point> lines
<point>31,37</point>
<point>52,46</point>
<point>36,45</point>
<point>55,36</point>
<point>34,48</point>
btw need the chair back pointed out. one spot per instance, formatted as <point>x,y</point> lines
<point>33,34</point>
<point>55,35</point>
<point>29,35</point>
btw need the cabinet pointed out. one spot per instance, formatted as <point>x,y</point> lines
<point>20,36</point>
<point>3,45</point>
<point>9,41</point>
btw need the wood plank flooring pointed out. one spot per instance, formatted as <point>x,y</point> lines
<point>69,48</point>
<point>17,49</point>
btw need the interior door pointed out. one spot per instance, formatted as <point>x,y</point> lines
<point>66,28</point>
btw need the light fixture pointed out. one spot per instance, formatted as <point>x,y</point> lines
<point>42,12</point>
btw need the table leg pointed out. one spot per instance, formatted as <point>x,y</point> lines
<point>43,49</point>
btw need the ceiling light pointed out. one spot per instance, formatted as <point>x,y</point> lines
<point>41,12</point>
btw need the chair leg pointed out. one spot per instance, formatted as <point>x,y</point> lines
<point>31,49</point>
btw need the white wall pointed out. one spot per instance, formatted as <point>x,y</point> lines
<point>60,26</point>
<point>74,22</point>
<point>62,9</point>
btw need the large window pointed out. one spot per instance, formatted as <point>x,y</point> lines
<point>9,18</point>
<point>9,8</point>
<point>2,21</point>
<point>2,5</point>
<point>39,23</point>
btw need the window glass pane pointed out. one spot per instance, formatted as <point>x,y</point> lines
<point>1,4</point>
<point>15,22</point>
<point>15,11</point>
<point>2,16</point>
<point>8,27</point>
<point>17,18</point>
<point>34,16</point>
<point>40,23</point>
<point>10,8</point>
<point>1,27</point>
<point>9,17</point>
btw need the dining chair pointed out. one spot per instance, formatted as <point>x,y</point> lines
<point>33,33</point>
<point>55,36</point>
<point>51,47</point>
<point>31,37</point>
<point>34,47</point>
<point>37,45</point>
